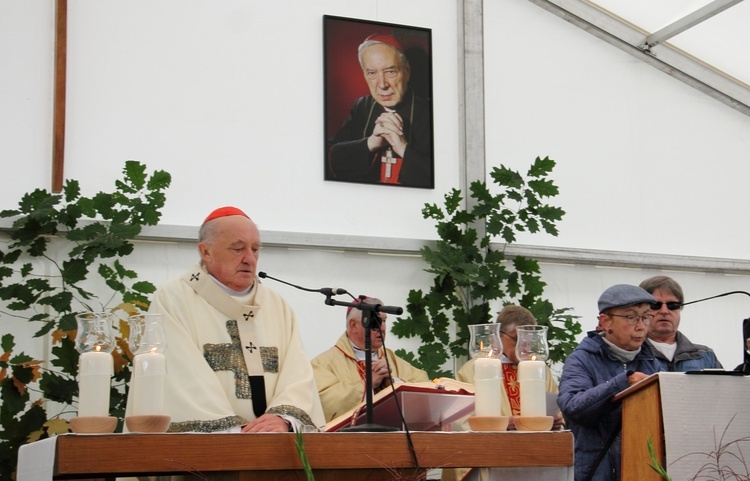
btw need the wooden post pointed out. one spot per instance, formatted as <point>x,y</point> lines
<point>58,122</point>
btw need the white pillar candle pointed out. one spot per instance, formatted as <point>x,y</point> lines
<point>532,376</point>
<point>95,370</point>
<point>488,379</point>
<point>149,372</point>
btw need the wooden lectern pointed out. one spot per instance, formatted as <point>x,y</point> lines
<point>689,417</point>
<point>641,419</point>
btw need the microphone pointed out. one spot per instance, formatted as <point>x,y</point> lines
<point>332,291</point>
<point>718,295</point>
<point>328,291</point>
<point>395,310</point>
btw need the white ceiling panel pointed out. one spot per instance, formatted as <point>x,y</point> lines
<point>721,41</point>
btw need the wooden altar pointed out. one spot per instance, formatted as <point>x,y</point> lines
<point>273,456</point>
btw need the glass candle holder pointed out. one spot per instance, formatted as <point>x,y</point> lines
<point>532,351</point>
<point>485,341</point>
<point>95,364</point>
<point>146,333</point>
<point>148,342</point>
<point>532,343</point>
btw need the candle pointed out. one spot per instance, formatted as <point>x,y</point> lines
<point>95,369</point>
<point>532,377</point>
<point>488,378</point>
<point>149,371</point>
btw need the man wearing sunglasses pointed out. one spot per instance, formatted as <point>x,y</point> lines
<point>674,350</point>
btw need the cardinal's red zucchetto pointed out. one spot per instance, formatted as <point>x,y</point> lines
<point>224,212</point>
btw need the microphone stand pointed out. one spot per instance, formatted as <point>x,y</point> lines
<point>370,318</point>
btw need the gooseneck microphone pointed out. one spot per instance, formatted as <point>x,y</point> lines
<point>718,295</point>
<point>328,291</point>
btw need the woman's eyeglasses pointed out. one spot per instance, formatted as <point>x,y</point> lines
<point>515,339</point>
<point>633,320</point>
<point>672,306</point>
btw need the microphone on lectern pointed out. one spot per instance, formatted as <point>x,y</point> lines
<point>328,291</point>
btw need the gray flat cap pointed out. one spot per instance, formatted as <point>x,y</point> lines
<point>622,295</point>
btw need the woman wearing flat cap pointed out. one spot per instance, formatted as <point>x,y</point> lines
<point>606,362</point>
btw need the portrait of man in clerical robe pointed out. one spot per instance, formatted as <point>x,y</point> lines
<point>378,103</point>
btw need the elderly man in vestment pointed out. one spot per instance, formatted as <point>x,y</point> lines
<point>387,137</point>
<point>235,360</point>
<point>340,371</point>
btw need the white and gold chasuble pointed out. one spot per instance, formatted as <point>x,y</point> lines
<point>217,343</point>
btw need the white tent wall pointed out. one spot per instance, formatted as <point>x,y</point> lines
<point>227,97</point>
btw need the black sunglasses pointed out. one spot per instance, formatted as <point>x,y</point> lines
<point>672,306</point>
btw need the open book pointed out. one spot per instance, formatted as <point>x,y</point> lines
<point>426,406</point>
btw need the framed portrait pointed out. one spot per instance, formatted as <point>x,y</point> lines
<point>378,103</point>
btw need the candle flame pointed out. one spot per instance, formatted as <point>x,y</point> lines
<point>97,348</point>
<point>153,349</point>
<point>533,357</point>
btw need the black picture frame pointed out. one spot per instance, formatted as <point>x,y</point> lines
<point>399,113</point>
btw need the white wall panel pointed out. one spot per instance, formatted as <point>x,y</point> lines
<point>227,96</point>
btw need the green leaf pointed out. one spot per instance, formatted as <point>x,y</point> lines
<point>135,174</point>
<point>159,180</point>
<point>13,400</point>
<point>45,329</point>
<point>74,271</point>
<point>60,301</point>
<point>71,190</point>
<point>66,356</point>
<point>21,358</point>
<point>59,388</point>
<point>144,287</point>
<point>26,269</point>
<point>105,204</point>
<point>68,322</point>
<point>544,188</point>
<point>8,342</point>
<point>541,167</point>
<point>505,177</point>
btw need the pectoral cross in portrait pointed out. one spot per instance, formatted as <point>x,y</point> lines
<point>388,159</point>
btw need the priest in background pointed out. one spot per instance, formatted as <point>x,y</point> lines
<point>340,371</point>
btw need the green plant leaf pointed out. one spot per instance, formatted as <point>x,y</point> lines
<point>59,388</point>
<point>74,271</point>
<point>469,274</point>
<point>8,342</point>
<point>144,287</point>
<point>53,299</point>
<point>71,190</point>
<point>505,177</point>
<point>65,356</point>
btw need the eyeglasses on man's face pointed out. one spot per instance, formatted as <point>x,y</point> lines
<point>672,306</point>
<point>633,320</point>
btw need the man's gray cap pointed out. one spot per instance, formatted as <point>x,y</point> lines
<point>622,295</point>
